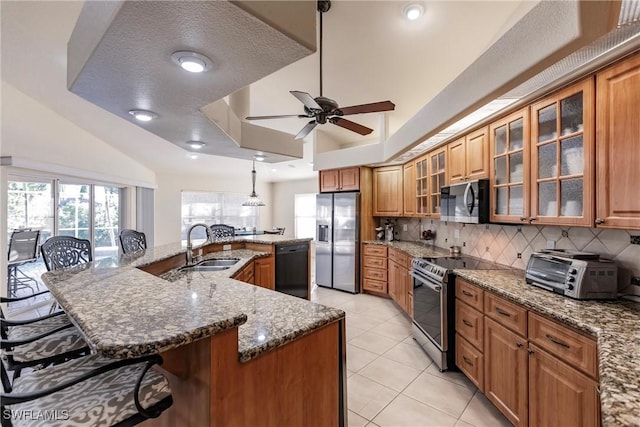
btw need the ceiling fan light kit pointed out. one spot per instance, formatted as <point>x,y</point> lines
<point>324,110</point>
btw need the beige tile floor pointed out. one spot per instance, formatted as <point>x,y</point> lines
<point>391,381</point>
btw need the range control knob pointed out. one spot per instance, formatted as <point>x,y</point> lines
<point>572,279</point>
<point>570,287</point>
<point>573,271</point>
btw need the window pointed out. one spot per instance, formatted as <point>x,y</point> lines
<point>30,205</point>
<point>216,208</point>
<point>305,215</point>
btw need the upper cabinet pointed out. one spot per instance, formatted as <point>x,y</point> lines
<point>562,157</point>
<point>422,179</point>
<point>388,191</point>
<point>618,145</point>
<point>347,179</point>
<point>509,168</point>
<point>437,178</point>
<point>468,157</point>
<point>409,192</point>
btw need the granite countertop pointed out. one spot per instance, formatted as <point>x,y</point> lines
<point>417,249</point>
<point>614,324</point>
<point>125,312</point>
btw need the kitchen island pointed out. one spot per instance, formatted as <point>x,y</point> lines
<point>235,354</point>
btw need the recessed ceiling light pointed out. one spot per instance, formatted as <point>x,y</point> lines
<point>259,153</point>
<point>259,158</point>
<point>196,145</point>
<point>143,115</point>
<point>413,11</point>
<point>191,61</point>
<point>193,156</point>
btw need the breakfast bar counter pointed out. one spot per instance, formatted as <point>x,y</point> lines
<point>212,332</point>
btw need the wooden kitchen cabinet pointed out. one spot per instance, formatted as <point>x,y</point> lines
<point>388,191</point>
<point>347,179</point>
<point>264,272</point>
<point>509,168</point>
<point>562,157</point>
<point>559,395</point>
<point>400,283</point>
<point>421,171</point>
<point>468,157</point>
<point>246,274</point>
<point>505,371</point>
<point>618,145</point>
<point>409,189</point>
<point>437,178</point>
<point>374,269</point>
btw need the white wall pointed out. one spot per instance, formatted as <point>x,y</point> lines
<point>168,199</point>
<point>283,201</point>
<point>33,132</point>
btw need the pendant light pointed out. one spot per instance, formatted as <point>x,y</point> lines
<point>253,199</point>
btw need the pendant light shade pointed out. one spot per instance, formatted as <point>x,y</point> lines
<point>253,199</point>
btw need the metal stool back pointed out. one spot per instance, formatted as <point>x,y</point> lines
<point>132,241</point>
<point>60,252</point>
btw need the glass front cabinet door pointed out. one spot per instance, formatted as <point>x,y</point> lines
<point>509,168</point>
<point>422,192</point>
<point>562,157</point>
<point>437,178</point>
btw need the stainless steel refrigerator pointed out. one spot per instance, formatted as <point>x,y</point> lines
<point>338,241</point>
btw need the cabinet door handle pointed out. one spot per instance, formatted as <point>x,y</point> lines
<point>466,322</point>
<point>523,218</point>
<point>518,344</point>
<point>467,360</point>
<point>599,221</point>
<point>530,352</point>
<point>532,219</point>
<point>502,312</point>
<point>557,341</point>
<point>469,294</point>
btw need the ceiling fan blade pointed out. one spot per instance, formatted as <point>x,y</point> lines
<point>374,107</point>
<point>352,126</point>
<point>274,117</point>
<point>306,99</point>
<point>307,129</point>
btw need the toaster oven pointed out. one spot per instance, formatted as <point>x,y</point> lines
<point>578,275</point>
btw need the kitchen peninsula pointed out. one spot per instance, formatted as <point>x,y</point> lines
<point>234,353</point>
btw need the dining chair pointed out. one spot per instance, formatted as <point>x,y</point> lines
<point>23,249</point>
<point>132,241</point>
<point>276,230</point>
<point>92,391</point>
<point>222,231</point>
<point>38,341</point>
<point>60,252</point>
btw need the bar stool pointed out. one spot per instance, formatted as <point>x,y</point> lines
<point>23,249</point>
<point>132,241</point>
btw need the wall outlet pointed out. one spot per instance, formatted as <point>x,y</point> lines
<point>635,240</point>
<point>456,233</point>
<point>519,255</point>
<point>226,247</point>
<point>551,244</point>
<point>405,227</point>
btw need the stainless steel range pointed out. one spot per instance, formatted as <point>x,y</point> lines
<point>433,304</point>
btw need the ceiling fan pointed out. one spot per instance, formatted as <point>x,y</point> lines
<point>322,109</point>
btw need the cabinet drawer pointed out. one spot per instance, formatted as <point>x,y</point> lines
<point>375,262</point>
<point>569,345</point>
<point>471,294</point>
<point>470,361</point>
<point>469,324</point>
<point>375,250</point>
<point>374,285</point>
<point>400,257</point>
<point>375,274</point>
<point>506,313</point>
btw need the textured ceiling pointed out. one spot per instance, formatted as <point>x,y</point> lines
<point>120,59</point>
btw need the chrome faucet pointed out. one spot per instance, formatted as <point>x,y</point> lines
<point>190,257</point>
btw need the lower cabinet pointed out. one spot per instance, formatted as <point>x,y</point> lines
<point>385,271</point>
<point>400,283</point>
<point>505,371</point>
<point>535,370</point>
<point>560,395</point>
<point>264,272</point>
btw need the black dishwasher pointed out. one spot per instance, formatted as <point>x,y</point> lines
<point>292,269</point>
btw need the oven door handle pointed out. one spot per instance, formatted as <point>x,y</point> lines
<point>428,284</point>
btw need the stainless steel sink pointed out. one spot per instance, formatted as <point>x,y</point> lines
<point>211,265</point>
<point>218,262</point>
<point>198,267</point>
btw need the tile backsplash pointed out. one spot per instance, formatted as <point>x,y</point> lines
<point>512,245</point>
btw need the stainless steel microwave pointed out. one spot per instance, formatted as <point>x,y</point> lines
<point>466,202</point>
